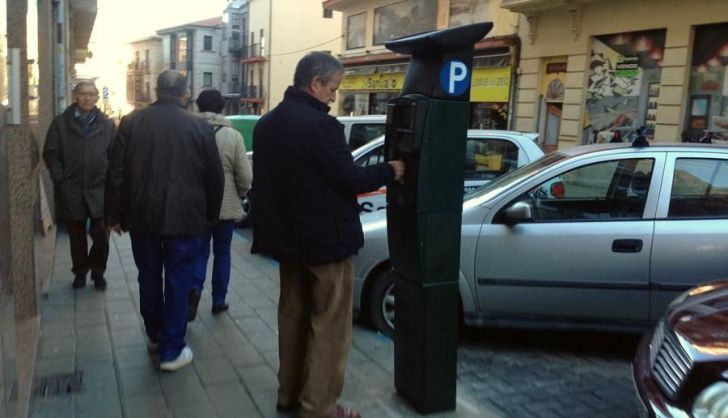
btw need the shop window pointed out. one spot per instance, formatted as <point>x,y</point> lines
<point>466,12</point>
<point>624,74</point>
<point>707,109</point>
<point>404,18</point>
<point>356,30</point>
<point>489,116</point>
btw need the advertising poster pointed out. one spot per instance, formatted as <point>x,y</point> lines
<point>622,70</point>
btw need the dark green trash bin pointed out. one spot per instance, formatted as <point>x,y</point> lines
<point>245,124</point>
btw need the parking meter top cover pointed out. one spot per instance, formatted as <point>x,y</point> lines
<point>440,63</point>
<point>440,41</point>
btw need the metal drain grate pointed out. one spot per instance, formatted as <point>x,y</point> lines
<point>55,385</point>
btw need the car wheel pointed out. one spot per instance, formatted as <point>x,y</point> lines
<point>381,303</point>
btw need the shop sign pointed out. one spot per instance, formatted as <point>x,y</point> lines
<point>491,84</point>
<point>389,81</point>
<point>628,67</point>
<point>556,67</point>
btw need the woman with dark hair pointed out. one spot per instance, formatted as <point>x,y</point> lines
<point>238,177</point>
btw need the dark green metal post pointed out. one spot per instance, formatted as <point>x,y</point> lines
<point>427,127</point>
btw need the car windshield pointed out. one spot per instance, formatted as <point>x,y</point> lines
<point>487,191</point>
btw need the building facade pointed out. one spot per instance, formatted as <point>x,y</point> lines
<point>375,74</point>
<point>272,42</point>
<point>141,75</point>
<point>195,49</point>
<point>591,66</point>
<point>44,81</point>
<point>234,46</point>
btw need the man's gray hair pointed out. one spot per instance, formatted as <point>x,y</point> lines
<point>316,64</point>
<point>81,84</point>
<point>171,83</point>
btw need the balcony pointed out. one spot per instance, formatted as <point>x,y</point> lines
<point>236,46</point>
<point>251,92</point>
<point>535,6</point>
<point>252,51</point>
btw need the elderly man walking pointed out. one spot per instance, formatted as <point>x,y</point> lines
<point>76,154</point>
<point>307,217</point>
<point>165,181</point>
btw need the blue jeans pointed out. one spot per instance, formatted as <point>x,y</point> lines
<point>221,234</point>
<point>163,302</point>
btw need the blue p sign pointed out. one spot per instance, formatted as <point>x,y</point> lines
<point>454,77</point>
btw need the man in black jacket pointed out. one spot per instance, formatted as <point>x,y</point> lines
<point>307,217</point>
<point>165,180</point>
<point>76,153</point>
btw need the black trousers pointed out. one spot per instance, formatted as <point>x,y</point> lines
<point>83,259</point>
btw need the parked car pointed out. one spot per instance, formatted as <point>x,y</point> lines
<point>488,155</point>
<point>681,367</point>
<point>592,236</point>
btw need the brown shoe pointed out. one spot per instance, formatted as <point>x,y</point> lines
<point>340,412</point>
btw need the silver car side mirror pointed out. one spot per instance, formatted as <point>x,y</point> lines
<point>519,212</point>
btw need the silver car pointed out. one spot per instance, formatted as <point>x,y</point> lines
<point>488,155</point>
<point>593,236</point>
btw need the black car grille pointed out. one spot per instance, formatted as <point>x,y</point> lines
<point>670,363</point>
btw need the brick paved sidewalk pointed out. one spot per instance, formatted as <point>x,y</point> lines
<point>99,334</point>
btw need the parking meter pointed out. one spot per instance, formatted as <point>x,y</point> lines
<point>427,128</point>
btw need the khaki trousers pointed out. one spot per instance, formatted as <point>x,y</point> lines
<point>314,334</point>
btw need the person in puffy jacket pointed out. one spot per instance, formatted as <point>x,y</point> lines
<point>238,176</point>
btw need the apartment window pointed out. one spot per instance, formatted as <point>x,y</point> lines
<point>356,26</point>
<point>206,79</point>
<point>328,13</point>
<point>404,18</point>
<point>147,91</point>
<point>182,52</point>
<point>207,43</point>
<point>236,21</point>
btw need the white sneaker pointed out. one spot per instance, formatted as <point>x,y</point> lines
<point>184,358</point>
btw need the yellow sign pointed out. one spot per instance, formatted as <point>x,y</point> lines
<point>389,81</point>
<point>490,84</point>
<point>487,84</point>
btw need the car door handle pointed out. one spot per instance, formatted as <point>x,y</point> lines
<point>627,245</point>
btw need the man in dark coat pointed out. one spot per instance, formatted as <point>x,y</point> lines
<point>76,152</point>
<point>307,217</point>
<point>165,181</point>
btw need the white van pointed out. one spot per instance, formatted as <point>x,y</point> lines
<point>361,129</point>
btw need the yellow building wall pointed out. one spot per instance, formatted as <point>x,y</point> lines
<point>558,33</point>
<point>504,22</point>
<point>298,27</point>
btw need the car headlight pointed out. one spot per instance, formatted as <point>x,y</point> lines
<point>712,402</point>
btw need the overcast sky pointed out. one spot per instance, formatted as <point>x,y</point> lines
<point>119,22</point>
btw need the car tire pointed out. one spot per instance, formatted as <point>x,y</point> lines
<point>381,303</point>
